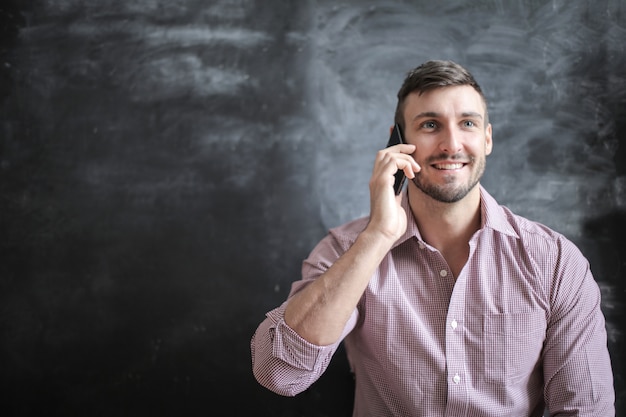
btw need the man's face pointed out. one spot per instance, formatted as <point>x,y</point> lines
<point>447,126</point>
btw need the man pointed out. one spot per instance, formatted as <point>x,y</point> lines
<point>448,303</point>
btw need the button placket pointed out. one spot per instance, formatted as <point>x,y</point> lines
<point>458,377</point>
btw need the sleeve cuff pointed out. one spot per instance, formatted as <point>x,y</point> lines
<point>288,346</point>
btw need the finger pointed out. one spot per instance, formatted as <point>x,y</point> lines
<point>404,148</point>
<point>402,162</point>
<point>409,166</point>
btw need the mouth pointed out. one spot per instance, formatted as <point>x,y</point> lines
<point>448,166</point>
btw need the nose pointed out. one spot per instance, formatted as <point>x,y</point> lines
<point>450,141</point>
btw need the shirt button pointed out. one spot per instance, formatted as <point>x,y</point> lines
<point>421,245</point>
<point>443,273</point>
<point>454,324</point>
<point>456,379</point>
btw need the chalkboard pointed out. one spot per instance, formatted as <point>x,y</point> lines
<point>166,166</point>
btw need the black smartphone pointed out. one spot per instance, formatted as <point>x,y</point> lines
<point>395,139</point>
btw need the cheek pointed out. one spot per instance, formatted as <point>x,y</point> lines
<point>423,150</point>
<point>419,157</point>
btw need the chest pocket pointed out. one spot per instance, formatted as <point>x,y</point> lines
<point>512,345</point>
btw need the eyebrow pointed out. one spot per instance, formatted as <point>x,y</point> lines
<point>436,115</point>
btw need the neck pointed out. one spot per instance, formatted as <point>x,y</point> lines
<point>446,226</point>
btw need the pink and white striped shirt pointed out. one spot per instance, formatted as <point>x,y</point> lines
<point>519,330</point>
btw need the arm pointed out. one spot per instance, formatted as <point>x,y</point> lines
<point>319,312</point>
<point>294,344</point>
<point>577,366</point>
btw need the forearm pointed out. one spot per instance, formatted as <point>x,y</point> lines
<point>282,361</point>
<point>320,311</point>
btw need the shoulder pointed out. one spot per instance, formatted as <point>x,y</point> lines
<point>339,239</point>
<point>346,234</point>
<point>534,232</point>
<point>336,242</point>
<point>529,233</point>
<point>546,249</point>
<point>540,247</point>
<point>528,228</point>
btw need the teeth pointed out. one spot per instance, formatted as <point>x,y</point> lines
<point>449,166</point>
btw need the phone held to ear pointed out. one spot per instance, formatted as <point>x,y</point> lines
<point>395,139</point>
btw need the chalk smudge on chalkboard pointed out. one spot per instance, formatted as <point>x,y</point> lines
<point>169,61</point>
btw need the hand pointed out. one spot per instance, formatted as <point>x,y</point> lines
<point>386,213</point>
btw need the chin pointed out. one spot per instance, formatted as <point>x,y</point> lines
<point>444,194</point>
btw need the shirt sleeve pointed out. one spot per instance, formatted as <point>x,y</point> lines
<point>282,361</point>
<point>577,367</point>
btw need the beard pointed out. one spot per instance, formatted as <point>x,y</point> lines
<point>450,192</point>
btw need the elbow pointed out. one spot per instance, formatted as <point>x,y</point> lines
<point>272,373</point>
<point>276,381</point>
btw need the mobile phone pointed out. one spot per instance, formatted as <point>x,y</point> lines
<point>395,139</point>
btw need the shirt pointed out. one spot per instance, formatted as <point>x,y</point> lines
<point>519,330</point>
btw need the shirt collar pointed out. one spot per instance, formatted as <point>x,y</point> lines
<point>492,217</point>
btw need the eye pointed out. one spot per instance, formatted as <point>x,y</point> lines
<point>469,123</point>
<point>429,125</point>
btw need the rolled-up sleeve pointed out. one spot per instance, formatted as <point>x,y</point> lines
<point>284,362</point>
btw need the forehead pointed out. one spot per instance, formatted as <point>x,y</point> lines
<point>444,100</point>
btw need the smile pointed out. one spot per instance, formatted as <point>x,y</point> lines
<point>448,166</point>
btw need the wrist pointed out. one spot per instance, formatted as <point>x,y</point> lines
<point>377,239</point>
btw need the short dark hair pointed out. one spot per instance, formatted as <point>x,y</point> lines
<point>431,75</point>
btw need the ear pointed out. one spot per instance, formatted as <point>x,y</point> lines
<point>488,140</point>
<point>391,129</point>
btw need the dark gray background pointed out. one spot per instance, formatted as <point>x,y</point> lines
<point>165,166</point>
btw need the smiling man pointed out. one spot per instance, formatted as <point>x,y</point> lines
<point>448,303</point>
